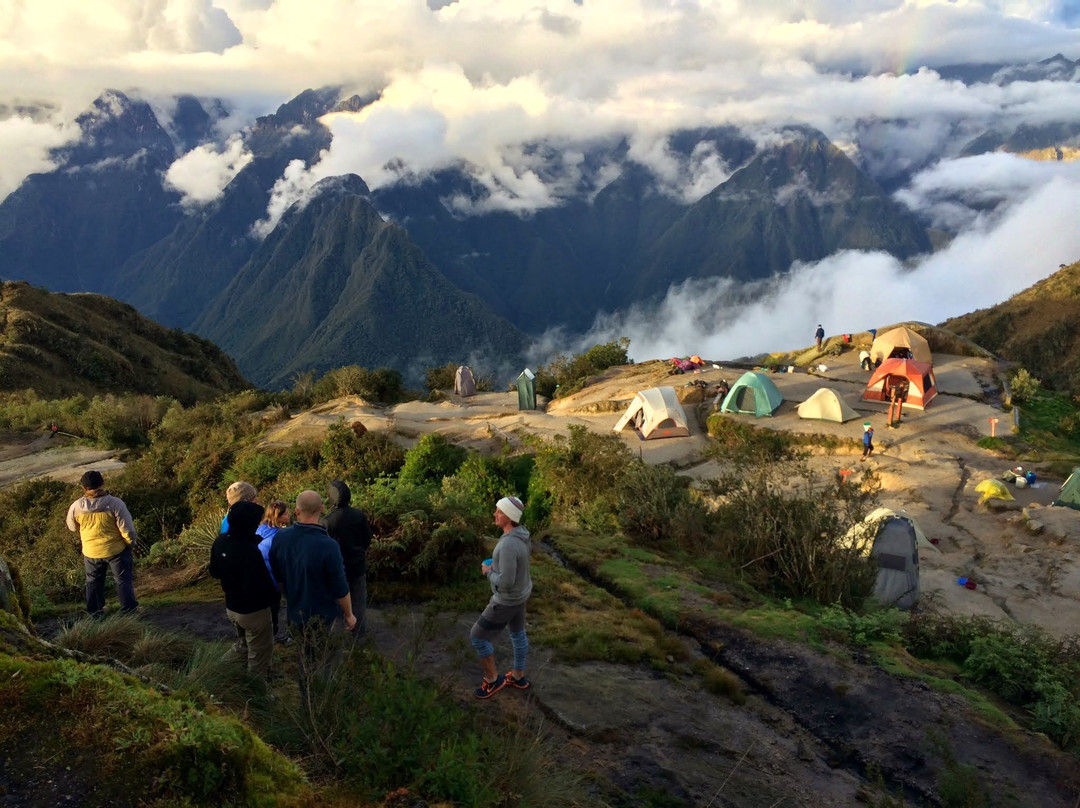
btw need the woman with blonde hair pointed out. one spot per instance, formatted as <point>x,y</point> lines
<point>275,518</point>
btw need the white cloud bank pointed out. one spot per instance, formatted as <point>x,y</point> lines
<point>852,291</point>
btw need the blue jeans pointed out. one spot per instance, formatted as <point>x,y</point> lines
<point>122,565</point>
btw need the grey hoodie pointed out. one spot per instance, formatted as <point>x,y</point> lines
<point>509,577</point>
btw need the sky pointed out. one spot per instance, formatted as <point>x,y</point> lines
<point>473,80</point>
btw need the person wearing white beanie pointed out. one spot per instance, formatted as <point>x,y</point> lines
<point>511,585</point>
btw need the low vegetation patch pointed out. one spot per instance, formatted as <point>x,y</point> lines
<point>565,375</point>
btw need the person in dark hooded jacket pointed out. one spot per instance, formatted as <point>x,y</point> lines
<point>249,590</point>
<point>349,527</point>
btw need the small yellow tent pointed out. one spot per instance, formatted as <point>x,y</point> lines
<point>826,405</point>
<point>992,489</point>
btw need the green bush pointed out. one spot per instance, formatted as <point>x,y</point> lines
<point>879,625</point>
<point>655,504</point>
<point>562,375</point>
<point>35,538</point>
<point>392,730</point>
<point>260,466</point>
<point>481,481</point>
<point>432,459</point>
<point>1024,386</point>
<point>783,526</point>
<point>360,457</point>
<point>576,479</point>
<point>1023,664</point>
<point>382,385</point>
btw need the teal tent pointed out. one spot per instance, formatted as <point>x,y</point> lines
<point>1070,492</point>
<point>754,393</point>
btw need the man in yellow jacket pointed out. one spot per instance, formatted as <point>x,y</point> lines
<point>105,528</point>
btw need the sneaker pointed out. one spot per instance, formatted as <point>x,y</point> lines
<point>488,689</point>
<point>521,684</point>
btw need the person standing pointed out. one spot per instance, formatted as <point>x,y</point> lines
<point>349,527</point>
<point>107,534</point>
<point>867,442</point>
<point>819,335</point>
<point>249,590</point>
<point>308,567</point>
<point>511,585</point>
<point>275,518</point>
<point>240,491</point>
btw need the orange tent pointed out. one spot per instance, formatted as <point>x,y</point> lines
<point>917,376</point>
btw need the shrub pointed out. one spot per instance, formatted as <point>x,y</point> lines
<point>390,730</point>
<point>576,478</point>
<point>1023,664</point>
<point>562,373</point>
<point>783,527</point>
<point>1024,386</point>
<point>745,444</point>
<point>441,378</point>
<point>877,625</point>
<point>360,457</point>
<point>655,504</point>
<point>118,421</point>
<point>433,458</point>
<point>264,465</point>
<point>383,385</point>
<point>36,538</point>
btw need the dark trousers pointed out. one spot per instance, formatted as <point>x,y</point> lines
<point>123,572</point>
<point>358,597</point>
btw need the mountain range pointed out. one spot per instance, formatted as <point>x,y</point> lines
<point>428,269</point>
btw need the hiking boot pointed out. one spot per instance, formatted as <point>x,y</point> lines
<point>521,684</point>
<point>488,689</point>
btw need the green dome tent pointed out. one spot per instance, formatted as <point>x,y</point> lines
<point>1070,492</point>
<point>754,393</point>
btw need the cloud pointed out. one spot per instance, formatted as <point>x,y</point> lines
<point>25,145</point>
<point>202,174</point>
<point>853,291</point>
<point>954,194</point>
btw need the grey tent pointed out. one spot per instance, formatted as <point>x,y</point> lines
<point>526,390</point>
<point>897,553</point>
<point>464,383</point>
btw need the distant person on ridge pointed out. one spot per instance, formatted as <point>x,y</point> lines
<point>107,533</point>
<point>819,335</point>
<point>307,565</point>
<point>250,593</point>
<point>349,527</point>
<point>511,585</point>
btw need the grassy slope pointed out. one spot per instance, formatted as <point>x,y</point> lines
<point>1039,328</point>
<point>63,344</point>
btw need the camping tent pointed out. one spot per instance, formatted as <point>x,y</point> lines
<point>895,540</point>
<point>898,342</point>
<point>753,393</point>
<point>464,383</point>
<point>826,405</point>
<point>1070,491</point>
<point>918,376</point>
<point>526,390</point>
<point>655,413</point>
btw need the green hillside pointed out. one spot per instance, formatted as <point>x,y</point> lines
<point>64,344</point>
<point>1039,328</point>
